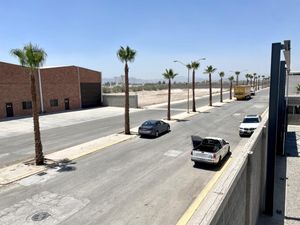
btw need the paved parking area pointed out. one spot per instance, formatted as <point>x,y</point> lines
<point>25,125</point>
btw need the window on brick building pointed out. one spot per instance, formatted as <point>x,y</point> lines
<point>54,102</point>
<point>27,105</point>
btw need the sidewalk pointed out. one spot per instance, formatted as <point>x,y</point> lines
<point>287,183</point>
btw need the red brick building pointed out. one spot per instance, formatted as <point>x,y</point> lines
<point>58,89</point>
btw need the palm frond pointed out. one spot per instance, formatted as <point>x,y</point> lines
<point>30,56</point>
<point>222,74</point>
<point>231,78</point>
<point>169,74</point>
<point>126,54</point>
<point>210,69</point>
<point>18,53</point>
<point>195,65</point>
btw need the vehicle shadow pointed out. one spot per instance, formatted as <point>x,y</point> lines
<point>213,167</point>
<point>181,120</point>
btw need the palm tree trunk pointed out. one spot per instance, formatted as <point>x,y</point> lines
<point>237,80</point>
<point>194,103</point>
<point>169,100</point>
<point>210,92</point>
<point>230,92</point>
<point>127,126</point>
<point>221,95</point>
<point>39,157</point>
<point>247,81</point>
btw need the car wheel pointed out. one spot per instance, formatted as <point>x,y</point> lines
<point>196,164</point>
<point>228,150</point>
<point>156,133</point>
<point>168,130</point>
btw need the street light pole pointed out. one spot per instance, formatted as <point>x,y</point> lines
<point>188,81</point>
<point>188,91</point>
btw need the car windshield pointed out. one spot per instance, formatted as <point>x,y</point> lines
<point>149,123</point>
<point>250,120</point>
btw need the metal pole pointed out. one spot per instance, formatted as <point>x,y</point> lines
<point>41,91</point>
<point>188,94</point>
<point>281,110</point>
<point>272,132</point>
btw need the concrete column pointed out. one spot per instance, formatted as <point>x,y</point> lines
<point>249,184</point>
<point>273,120</point>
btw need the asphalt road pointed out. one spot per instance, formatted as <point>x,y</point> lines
<point>140,181</point>
<point>21,147</point>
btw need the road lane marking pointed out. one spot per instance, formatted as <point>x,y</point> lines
<point>172,153</point>
<point>196,203</point>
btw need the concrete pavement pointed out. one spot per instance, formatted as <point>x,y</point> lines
<point>140,181</point>
<point>24,169</point>
<point>69,131</point>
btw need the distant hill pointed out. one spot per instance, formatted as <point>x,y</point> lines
<point>133,80</point>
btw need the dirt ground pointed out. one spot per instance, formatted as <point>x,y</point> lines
<point>154,97</point>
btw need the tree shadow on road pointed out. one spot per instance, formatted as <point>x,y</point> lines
<point>63,165</point>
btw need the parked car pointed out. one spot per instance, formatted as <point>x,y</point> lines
<point>249,124</point>
<point>153,128</point>
<point>252,91</point>
<point>209,150</point>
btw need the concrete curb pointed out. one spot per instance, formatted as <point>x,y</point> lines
<point>22,170</point>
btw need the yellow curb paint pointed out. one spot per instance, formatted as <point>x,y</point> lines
<point>196,203</point>
<point>265,112</point>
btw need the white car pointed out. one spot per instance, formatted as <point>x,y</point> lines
<point>209,150</point>
<point>249,124</point>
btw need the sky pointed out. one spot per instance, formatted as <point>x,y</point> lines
<point>231,34</point>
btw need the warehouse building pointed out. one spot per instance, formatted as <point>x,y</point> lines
<point>58,89</point>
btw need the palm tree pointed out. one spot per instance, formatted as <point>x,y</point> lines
<point>194,65</point>
<point>169,74</point>
<point>32,57</point>
<point>237,73</point>
<point>262,82</point>
<point>221,74</point>
<point>247,77</point>
<point>254,80</point>
<point>209,70</point>
<point>231,79</point>
<point>126,55</point>
<point>258,81</point>
<point>189,67</point>
<point>251,78</point>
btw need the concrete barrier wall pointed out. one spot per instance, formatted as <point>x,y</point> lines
<point>238,196</point>
<point>118,100</point>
